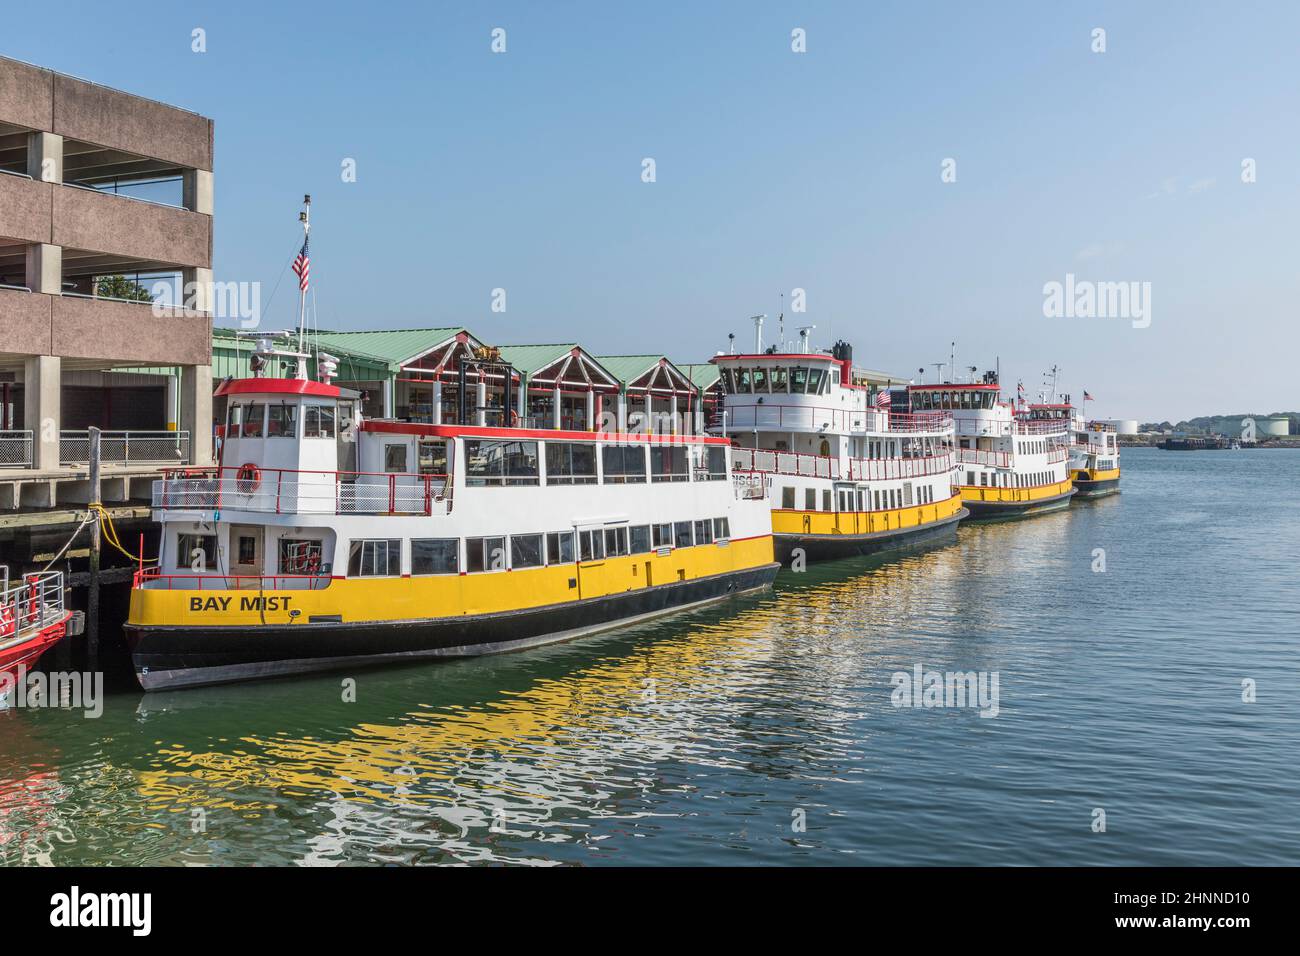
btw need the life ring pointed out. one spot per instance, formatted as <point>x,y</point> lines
<point>248,478</point>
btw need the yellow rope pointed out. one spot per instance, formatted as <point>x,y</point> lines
<point>110,533</point>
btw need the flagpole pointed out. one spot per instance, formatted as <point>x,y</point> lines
<point>305,218</point>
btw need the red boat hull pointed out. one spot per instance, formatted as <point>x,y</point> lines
<point>26,653</point>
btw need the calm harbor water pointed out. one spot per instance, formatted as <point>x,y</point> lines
<point>763,732</point>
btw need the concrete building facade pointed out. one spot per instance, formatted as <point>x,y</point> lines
<point>96,183</point>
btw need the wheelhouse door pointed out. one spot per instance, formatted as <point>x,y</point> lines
<point>247,549</point>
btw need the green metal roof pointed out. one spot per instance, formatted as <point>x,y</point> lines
<point>628,368</point>
<point>395,346</point>
<point>702,375</point>
<point>533,358</point>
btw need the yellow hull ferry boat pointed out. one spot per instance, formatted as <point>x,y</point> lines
<point>1094,457</point>
<point>321,541</point>
<point>845,474</point>
<point>1009,465</point>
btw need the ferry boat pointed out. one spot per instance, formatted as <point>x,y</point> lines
<point>1011,463</point>
<point>846,474</point>
<point>323,541</point>
<point>32,620</point>
<point>1094,457</point>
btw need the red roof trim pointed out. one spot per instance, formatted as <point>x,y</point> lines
<point>475,431</point>
<point>278,386</point>
<point>979,385</point>
<point>797,356</point>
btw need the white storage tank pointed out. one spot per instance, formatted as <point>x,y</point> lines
<point>1273,427</point>
<point>1124,426</point>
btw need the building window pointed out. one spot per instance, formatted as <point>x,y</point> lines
<point>435,555</point>
<point>525,551</point>
<point>623,463</point>
<point>500,463</point>
<point>640,539</point>
<point>668,463</point>
<point>282,421</point>
<point>395,458</point>
<point>559,547</point>
<point>198,552</point>
<point>570,463</point>
<point>485,554</point>
<point>375,558</point>
<point>301,556</point>
<point>682,534</point>
<point>318,421</point>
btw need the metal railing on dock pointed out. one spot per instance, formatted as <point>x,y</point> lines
<point>126,447</point>
<point>16,448</point>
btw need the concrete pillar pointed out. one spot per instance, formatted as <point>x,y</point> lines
<point>196,411</point>
<point>437,401</point>
<point>480,399</point>
<point>45,157</point>
<point>42,392</point>
<point>390,388</point>
<point>196,190</point>
<point>45,268</point>
<point>555,407</point>
<point>591,410</point>
<point>197,291</point>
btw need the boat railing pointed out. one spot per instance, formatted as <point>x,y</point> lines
<point>920,421</point>
<point>784,462</point>
<point>287,491</point>
<point>1042,427</point>
<point>152,579</point>
<point>980,456</point>
<point>877,469</point>
<point>32,602</point>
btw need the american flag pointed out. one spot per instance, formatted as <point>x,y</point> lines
<point>1020,392</point>
<point>882,398</point>
<point>1087,397</point>
<point>302,266</point>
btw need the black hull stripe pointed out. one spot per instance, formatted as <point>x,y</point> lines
<point>168,657</point>
<point>822,547</point>
<point>1017,509</point>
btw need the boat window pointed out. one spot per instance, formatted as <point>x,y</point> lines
<point>615,542</point>
<point>682,534</point>
<point>435,555</point>
<point>301,556</point>
<point>710,462</point>
<point>728,382</point>
<point>815,377</point>
<point>500,463</point>
<point>704,531</point>
<point>591,545</point>
<point>760,380</point>
<point>668,463</point>
<point>395,457</point>
<point>485,554</point>
<point>525,551</point>
<point>318,421</point>
<point>282,421</point>
<point>809,499</point>
<point>254,420</point>
<point>721,528</point>
<point>375,558</point>
<point>798,380</point>
<point>559,547</point>
<point>570,463</point>
<point>623,463</point>
<point>432,456</point>
<point>663,535</point>
<point>780,379</point>
<point>743,381</point>
<point>826,500</point>
<point>787,498</point>
<point>640,539</point>
<point>198,552</point>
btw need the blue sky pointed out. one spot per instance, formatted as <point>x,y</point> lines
<point>775,171</point>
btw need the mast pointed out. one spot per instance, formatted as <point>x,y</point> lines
<point>304,217</point>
